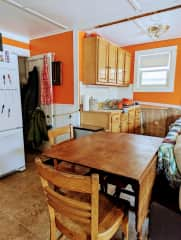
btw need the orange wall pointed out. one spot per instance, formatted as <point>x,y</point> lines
<point>62,46</point>
<point>15,43</point>
<point>169,98</point>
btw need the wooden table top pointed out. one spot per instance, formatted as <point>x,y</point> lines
<point>122,154</point>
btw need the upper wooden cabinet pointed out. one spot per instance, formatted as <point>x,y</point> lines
<point>112,63</point>
<point>101,59</point>
<point>120,66</point>
<point>105,63</point>
<point>127,68</point>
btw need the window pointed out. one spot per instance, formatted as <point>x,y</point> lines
<point>155,70</point>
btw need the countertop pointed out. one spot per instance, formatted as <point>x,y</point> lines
<point>125,109</point>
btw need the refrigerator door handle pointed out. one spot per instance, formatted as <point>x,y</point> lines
<point>2,108</point>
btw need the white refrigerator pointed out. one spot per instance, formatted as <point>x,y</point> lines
<point>12,156</point>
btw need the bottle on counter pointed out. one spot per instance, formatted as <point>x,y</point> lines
<point>93,104</point>
<point>86,102</point>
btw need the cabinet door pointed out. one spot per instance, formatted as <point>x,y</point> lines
<point>124,122</point>
<point>112,64</point>
<point>89,64</point>
<point>154,121</point>
<point>120,66</point>
<point>127,68</point>
<point>131,119</point>
<point>99,119</point>
<point>102,55</point>
<point>137,121</point>
<point>115,122</point>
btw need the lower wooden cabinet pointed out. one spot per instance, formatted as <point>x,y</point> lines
<point>99,119</point>
<point>114,124</point>
<point>154,120</point>
<point>142,119</point>
<point>124,122</point>
<point>114,121</point>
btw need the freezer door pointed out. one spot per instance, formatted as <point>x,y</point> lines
<point>10,110</point>
<point>9,79</point>
<point>11,151</point>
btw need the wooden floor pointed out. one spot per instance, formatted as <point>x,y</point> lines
<point>23,210</point>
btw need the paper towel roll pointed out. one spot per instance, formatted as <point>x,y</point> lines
<point>85,101</point>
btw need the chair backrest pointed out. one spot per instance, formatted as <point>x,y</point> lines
<point>79,211</point>
<point>56,132</point>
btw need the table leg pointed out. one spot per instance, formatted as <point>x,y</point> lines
<point>143,196</point>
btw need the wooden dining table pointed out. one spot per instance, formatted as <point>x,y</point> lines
<point>131,157</point>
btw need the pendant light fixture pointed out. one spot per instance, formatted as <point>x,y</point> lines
<point>156,30</point>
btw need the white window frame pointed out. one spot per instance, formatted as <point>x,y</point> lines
<point>169,87</point>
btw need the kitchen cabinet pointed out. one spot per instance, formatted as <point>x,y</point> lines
<point>112,64</point>
<point>137,121</point>
<point>114,124</point>
<point>127,68</point>
<point>98,119</point>
<point>131,120</point>
<point>102,59</point>
<point>105,63</point>
<point>154,120</point>
<point>124,122</point>
<point>114,120</point>
<point>120,66</point>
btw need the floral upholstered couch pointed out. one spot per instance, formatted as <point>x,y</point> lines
<point>169,157</point>
<point>165,211</point>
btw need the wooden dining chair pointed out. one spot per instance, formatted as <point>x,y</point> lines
<point>62,134</point>
<point>78,211</point>
<point>54,133</point>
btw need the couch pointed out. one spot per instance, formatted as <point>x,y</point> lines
<point>165,213</point>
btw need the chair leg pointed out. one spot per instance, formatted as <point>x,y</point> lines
<point>117,192</point>
<point>103,183</point>
<point>125,226</point>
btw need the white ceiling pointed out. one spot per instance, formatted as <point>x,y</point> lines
<point>82,14</point>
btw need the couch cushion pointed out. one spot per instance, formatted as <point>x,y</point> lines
<point>177,152</point>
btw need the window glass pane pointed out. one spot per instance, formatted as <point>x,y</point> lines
<point>154,60</point>
<point>154,78</point>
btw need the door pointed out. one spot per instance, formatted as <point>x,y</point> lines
<point>127,68</point>
<point>115,122</point>
<point>38,62</point>
<point>12,151</point>
<point>102,55</point>
<point>112,63</point>
<point>10,110</point>
<point>120,66</point>
<point>131,120</point>
<point>124,122</point>
<point>9,79</point>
